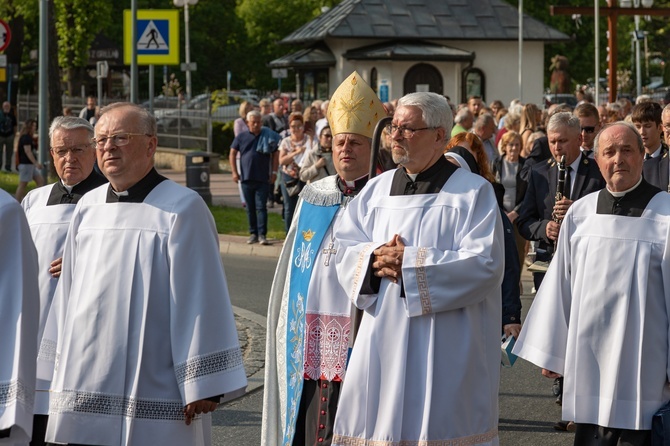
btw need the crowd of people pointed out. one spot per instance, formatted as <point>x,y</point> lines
<point>428,252</point>
<point>392,290</point>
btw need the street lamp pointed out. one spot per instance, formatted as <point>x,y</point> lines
<point>184,4</point>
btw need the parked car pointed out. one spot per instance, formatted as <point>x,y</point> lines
<point>560,98</point>
<point>162,101</point>
<point>196,112</point>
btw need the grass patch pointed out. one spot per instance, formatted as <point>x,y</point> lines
<point>234,221</point>
<point>10,181</point>
<point>228,220</point>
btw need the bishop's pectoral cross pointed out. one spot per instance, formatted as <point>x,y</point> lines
<point>328,252</point>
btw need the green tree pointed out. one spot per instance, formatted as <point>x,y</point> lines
<point>580,49</point>
<point>77,22</point>
<point>266,23</point>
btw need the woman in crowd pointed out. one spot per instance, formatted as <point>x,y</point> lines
<point>240,126</point>
<point>292,151</point>
<point>495,107</point>
<point>511,122</point>
<point>318,163</point>
<point>507,171</point>
<point>29,167</point>
<point>474,145</point>
<point>310,116</point>
<point>530,116</point>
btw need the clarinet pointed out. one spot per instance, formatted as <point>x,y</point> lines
<point>542,266</point>
<point>560,188</point>
<point>560,191</point>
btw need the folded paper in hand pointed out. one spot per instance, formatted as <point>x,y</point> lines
<point>508,358</point>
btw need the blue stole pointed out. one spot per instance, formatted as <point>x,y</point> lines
<point>312,226</point>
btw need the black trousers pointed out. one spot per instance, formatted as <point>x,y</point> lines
<point>594,435</point>
<point>39,430</point>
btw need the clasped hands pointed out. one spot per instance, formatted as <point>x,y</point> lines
<point>387,261</point>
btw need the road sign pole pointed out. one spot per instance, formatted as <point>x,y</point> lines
<point>9,81</point>
<point>134,72</point>
<point>43,78</point>
<point>188,52</point>
<point>151,89</point>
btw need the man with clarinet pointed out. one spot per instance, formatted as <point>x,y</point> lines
<point>552,188</point>
<point>545,202</point>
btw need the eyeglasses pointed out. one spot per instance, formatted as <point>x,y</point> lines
<point>406,132</point>
<point>61,152</point>
<point>589,129</point>
<point>118,140</point>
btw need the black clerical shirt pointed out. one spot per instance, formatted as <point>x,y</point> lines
<point>430,181</point>
<point>630,205</point>
<point>139,191</point>
<point>351,191</point>
<point>60,195</point>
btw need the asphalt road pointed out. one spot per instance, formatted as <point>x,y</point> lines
<point>527,408</point>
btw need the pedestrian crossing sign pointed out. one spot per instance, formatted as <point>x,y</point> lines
<point>156,36</point>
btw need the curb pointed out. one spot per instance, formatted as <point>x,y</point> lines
<point>256,380</point>
<point>237,244</point>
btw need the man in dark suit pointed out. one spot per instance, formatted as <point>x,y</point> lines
<point>540,214</point>
<point>655,169</point>
<point>540,151</point>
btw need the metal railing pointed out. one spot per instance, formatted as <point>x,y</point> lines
<point>177,127</point>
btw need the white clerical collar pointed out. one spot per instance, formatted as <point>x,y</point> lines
<point>412,176</point>
<point>120,194</point>
<point>657,152</point>
<point>68,188</point>
<point>352,183</point>
<point>621,194</point>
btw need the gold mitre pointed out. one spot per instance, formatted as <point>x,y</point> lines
<point>354,108</point>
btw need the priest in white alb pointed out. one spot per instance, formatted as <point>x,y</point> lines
<point>19,319</point>
<point>421,252</point>
<point>145,338</point>
<point>602,315</point>
<point>49,210</point>
<point>309,323</point>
